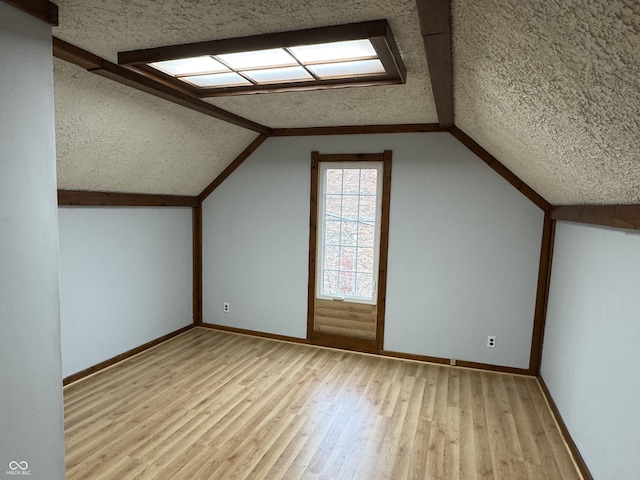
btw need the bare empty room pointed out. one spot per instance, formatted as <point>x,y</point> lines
<point>333,240</point>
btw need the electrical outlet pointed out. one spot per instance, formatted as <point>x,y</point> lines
<point>225,308</point>
<point>491,341</point>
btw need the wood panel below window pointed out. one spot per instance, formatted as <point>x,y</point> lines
<point>345,318</point>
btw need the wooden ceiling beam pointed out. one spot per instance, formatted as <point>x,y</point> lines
<point>435,26</point>
<point>246,153</point>
<point>500,169</point>
<point>617,216</point>
<point>76,55</point>
<point>117,199</point>
<point>358,129</point>
<point>95,64</point>
<point>42,9</point>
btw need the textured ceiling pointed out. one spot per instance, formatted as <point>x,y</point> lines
<point>106,27</point>
<point>110,137</point>
<point>552,89</point>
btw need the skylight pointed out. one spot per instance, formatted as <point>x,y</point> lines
<point>331,52</point>
<point>190,66</point>
<point>348,69</point>
<point>355,58</point>
<point>275,75</point>
<point>231,79</point>
<point>270,58</point>
<point>327,57</point>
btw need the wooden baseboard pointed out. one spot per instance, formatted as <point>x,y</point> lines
<point>118,358</point>
<point>577,457</point>
<point>366,347</point>
<point>494,368</point>
<point>459,363</point>
<point>254,333</point>
<point>413,356</point>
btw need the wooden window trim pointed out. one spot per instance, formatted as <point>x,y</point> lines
<point>386,159</point>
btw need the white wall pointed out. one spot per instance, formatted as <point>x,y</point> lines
<point>464,251</point>
<point>591,355</point>
<point>30,378</point>
<point>464,247</point>
<point>125,279</point>
<point>255,234</point>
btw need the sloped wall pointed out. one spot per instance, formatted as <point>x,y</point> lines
<point>125,279</point>
<point>591,355</point>
<point>464,247</point>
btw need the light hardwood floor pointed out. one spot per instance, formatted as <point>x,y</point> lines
<point>216,405</point>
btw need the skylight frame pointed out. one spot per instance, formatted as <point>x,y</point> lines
<point>378,32</point>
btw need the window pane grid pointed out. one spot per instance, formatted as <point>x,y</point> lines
<point>358,236</point>
<point>349,59</point>
<point>347,265</point>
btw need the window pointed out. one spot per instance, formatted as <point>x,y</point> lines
<point>348,230</point>
<point>327,57</point>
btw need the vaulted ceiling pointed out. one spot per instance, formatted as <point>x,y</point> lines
<point>551,89</point>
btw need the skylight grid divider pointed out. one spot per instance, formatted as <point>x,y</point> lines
<point>248,78</point>
<point>223,62</point>
<point>340,60</point>
<point>166,69</point>
<point>302,64</point>
<point>265,67</point>
<point>199,74</point>
<point>194,79</point>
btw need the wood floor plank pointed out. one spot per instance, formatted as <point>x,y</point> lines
<point>467,465</point>
<point>438,458</point>
<point>404,452</point>
<point>505,448</point>
<point>388,455</point>
<point>217,405</point>
<point>367,467</point>
<point>555,444</point>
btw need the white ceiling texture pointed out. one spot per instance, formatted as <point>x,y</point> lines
<point>551,89</point>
